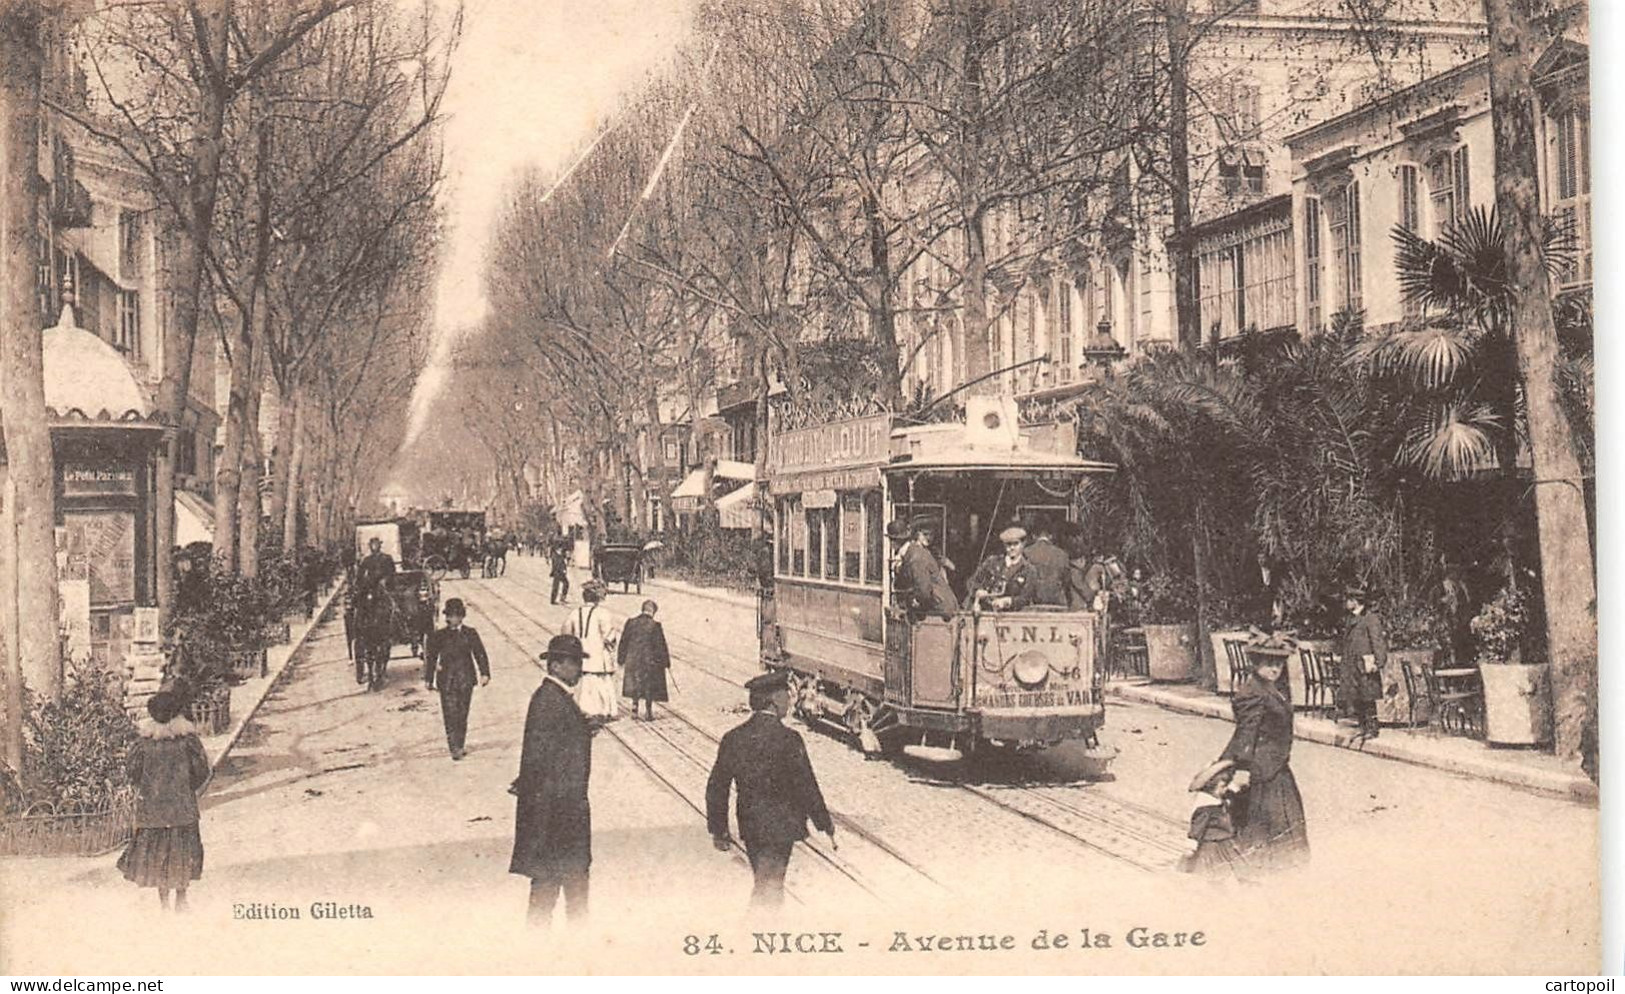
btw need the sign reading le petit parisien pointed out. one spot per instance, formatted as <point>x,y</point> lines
<point>82,480</point>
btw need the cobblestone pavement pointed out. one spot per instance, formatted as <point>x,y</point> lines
<point>337,795</point>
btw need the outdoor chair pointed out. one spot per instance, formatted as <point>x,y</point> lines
<point>1131,659</point>
<point>1320,679</point>
<point>1235,651</point>
<point>1457,699</point>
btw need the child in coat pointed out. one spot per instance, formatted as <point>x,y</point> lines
<point>167,767</point>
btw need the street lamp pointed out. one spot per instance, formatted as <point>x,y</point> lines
<point>1102,351</point>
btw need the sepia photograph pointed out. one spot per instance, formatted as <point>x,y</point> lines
<point>798,488</point>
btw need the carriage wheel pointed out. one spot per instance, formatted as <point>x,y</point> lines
<point>436,565</point>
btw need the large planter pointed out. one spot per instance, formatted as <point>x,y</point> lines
<point>69,830</point>
<point>1517,703</point>
<point>246,664</point>
<point>211,712</point>
<point>1221,658</point>
<point>1171,652</point>
<point>1397,705</point>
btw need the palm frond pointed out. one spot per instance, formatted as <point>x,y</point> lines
<point>1455,443</point>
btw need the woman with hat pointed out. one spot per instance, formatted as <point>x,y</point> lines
<point>167,765</point>
<point>1364,653</point>
<point>598,631</point>
<point>1270,828</point>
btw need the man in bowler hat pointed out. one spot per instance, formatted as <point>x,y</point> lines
<point>449,662</point>
<point>778,792</point>
<point>552,835</point>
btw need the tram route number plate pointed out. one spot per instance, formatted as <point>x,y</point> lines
<point>1033,699</point>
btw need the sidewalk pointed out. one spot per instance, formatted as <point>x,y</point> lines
<point>732,597</point>
<point>1522,768</point>
<point>247,696</point>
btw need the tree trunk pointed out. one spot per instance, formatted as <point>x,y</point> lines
<point>281,447</point>
<point>1207,674</point>
<point>884,318</point>
<point>1181,253</point>
<point>188,270</point>
<point>228,473</point>
<point>248,499</point>
<point>762,440</point>
<point>296,463</point>
<point>30,461</point>
<point>979,359</point>
<point>1568,584</point>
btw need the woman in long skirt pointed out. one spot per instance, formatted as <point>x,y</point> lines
<point>598,630</point>
<point>167,766</point>
<point>1271,832</point>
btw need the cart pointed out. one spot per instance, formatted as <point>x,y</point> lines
<point>620,563</point>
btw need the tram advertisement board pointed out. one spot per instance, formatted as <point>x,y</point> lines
<point>842,455</point>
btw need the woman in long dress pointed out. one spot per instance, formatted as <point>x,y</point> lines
<point>598,631</point>
<point>1271,832</point>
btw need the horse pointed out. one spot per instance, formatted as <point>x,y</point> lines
<point>373,635</point>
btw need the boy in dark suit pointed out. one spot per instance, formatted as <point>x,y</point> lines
<point>452,654</point>
<point>778,792</point>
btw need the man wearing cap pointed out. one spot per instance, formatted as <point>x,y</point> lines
<point>1365,653</point>
<point>918,580</point>
<point>1050,566</point>
<point>449,662</point>
<point>778,792</point>
<point>1004,582</point>
<point>552,834</point>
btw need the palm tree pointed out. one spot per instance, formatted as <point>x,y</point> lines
<point>1453,365</point>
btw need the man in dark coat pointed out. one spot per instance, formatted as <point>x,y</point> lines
<point>561,574</point>
<point>1050,565</point>
<point>376,568</point>
<point>1364,653</point>
<point>1004,582</point>
<point>644,659</point>
<point>552,835</point>
<point>449,662</point>
<point>778,792</point>
<point>918,579</point>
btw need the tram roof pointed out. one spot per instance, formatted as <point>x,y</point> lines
<point>961,459</point>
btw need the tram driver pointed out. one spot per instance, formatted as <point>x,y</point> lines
<point>1004,582</point>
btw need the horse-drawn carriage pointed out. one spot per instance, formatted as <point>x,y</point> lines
<point>620,562</point>
<point>388,609</point>
<point>458,542</point>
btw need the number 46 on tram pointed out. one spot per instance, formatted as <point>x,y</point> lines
<point>857,656</point>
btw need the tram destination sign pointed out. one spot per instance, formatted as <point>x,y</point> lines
<point>843,455</point>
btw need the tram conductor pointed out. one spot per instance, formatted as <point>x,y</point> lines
<point>778,793</point>
<point>918,579</point>
<point>1004,582</point>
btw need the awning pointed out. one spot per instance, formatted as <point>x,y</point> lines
<point>738,509</point>
<point>693,485</point>
<point>194,519</point>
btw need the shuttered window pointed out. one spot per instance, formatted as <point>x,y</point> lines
<point>1571,204</point>
<point>1314,311</point>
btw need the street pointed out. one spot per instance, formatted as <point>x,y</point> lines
<point>338,795</point>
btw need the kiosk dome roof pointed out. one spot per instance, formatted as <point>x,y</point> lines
<point>85,373</point>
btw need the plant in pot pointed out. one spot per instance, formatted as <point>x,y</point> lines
<point>1168,618</point>
<point>198,672</point>
<point>1517,693</point>
<point>1414,631</point>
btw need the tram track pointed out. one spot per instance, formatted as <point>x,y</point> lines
<point>1124,831</point>
<point>645,741</point>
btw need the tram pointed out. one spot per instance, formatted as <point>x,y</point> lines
<point>933,688</point>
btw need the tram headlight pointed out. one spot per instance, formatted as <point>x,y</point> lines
<point>1030,668</point>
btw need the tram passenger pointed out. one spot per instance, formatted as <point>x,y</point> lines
<point>1049,566</point>
<point>1004,582</point>
<point>918,580</point>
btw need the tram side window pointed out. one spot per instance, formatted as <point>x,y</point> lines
<point>875,536</point>
<point>814,517</point>
<point>832,542</point>
<point>852,537</point>
<point>798,540</point>
<point>785,514</point>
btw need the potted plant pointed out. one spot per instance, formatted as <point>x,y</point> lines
<point>1167,616</point>
<point>197,672</point>
<point>1414,635</point>
<point>1517,694</point>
